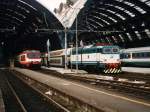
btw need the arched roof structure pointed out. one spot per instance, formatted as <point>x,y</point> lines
<point>123,22</point>
<point>19,21</point>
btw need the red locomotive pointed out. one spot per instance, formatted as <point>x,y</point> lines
<point>29,58</point>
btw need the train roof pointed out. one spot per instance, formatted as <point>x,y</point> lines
<point>28,51</point>
<point>141,49</point>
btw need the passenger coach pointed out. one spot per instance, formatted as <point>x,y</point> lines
<point>133,57</point>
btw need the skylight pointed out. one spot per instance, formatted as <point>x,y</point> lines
<point>121,38</point>
<point>129,36</point>
<point>111,11</point>
<point>138,35</point>
<point>128,3</point>
<point>129,13</point>
<point>123,18</point>
<point>113,19</point>
<point>27,11</point>
<point>140,9</point>
<point>27,4</point>
<point>148,3</point>
<point>114,38</point>
<point>147,31</point>
<point>143,0</point>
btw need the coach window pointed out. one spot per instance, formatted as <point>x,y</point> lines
<point>80,51</point>
<point>127,55</point>
<point>73,51</point>
<point>148,54</point>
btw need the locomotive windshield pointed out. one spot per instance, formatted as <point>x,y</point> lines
<point>33,55</point>
<point>110,50</point>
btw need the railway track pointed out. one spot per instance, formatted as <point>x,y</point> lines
<point>135,76</point>
<point>25,98</point>
<point>62,100</point>
<point>18,100</point>
<point>11,99</point>
<point>137,88</point>
<point>126,75</point>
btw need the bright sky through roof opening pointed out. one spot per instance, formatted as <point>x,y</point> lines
<point>51,4</point>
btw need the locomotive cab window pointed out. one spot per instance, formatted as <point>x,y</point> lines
<point>22,58</point>
<point>115,50</point>
<point>33,55</point>
<point>107,50</point>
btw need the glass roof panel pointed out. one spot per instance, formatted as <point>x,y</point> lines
<point>140,9</point>
<point>105,15</point>
<point>148,3</point>
<point>121,37</point>
<point>92,26</point>
<point>108,40</point>
<point>129,36</point>
<point>118,7</point>
<point>123,18</point>
<point>113,19</point>
<point>143,0</point>
<point>27,11</point>
<point>129,13</point>
<point>13,17</point>
<point>128,3</point>
<point>138,34</point>
<point>147,31</point>
<point>27,4</point>
<point>102,20</point>
<point>17,13</point>
<point>111,11</point>
<point>119,0</point>
<point>115,39</point>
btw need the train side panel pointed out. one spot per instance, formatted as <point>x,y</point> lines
<point>136,57</point>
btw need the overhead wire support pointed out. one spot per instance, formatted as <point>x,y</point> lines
<point>93,31</point>
<point>7,29</point>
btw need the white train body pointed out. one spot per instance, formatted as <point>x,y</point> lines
<point>101,57</point>
<point>105,57</point>
<point>136,57</point>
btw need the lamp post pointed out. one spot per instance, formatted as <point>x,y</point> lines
<point>76,14</point>
<point>66,61</point>
<point>77,44</point>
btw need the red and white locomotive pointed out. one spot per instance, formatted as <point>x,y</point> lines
<point>29,58</point>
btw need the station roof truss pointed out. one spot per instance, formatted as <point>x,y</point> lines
<point>22,18</point>
<point>122,22</point>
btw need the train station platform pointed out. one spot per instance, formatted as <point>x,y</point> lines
<point>136,70</point>
<point>99,98</point>
<point>2,106</point>
<point>65,71</point>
